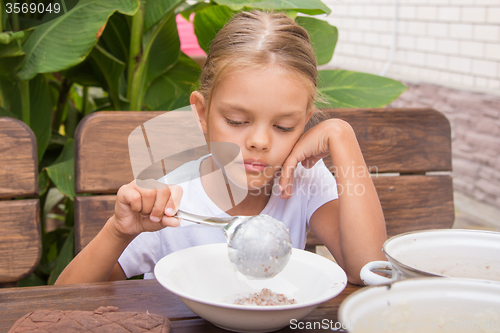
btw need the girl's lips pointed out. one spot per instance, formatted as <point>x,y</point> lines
<point>254,167</point>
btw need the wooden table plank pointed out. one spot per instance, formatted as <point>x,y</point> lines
<point>134,295</point>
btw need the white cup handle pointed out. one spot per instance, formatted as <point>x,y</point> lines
<point>369,277</point>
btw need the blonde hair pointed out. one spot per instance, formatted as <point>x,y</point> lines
<point>255,39</point>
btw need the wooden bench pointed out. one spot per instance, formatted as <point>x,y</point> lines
<point>20,232</point>
<point>400,146</point>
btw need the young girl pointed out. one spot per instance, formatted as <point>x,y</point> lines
<point>257,90</point>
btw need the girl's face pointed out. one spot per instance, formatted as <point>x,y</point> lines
<point>264,112</point>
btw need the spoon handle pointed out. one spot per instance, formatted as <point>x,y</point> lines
<point>217,222</point>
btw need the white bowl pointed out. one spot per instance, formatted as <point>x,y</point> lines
<point>205,281</point>
<point>430,305</point>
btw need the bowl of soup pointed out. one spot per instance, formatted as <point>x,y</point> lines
<point>208,285</point>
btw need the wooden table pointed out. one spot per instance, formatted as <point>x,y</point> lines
<point>133,295</point>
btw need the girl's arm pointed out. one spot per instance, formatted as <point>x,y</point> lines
<point>137,209</point>
<point>98,259</point>
<point>352,227</point>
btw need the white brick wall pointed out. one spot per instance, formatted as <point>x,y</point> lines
<point>453,43</point>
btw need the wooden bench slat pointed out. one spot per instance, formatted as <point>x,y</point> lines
<point>102,160</point>
<point>91,213</point>
<point>18,156</point>
<point>400,140</point>
<point>20,238</point>
<point>412,203</point>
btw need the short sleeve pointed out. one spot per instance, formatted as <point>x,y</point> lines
<point>322,187</point>
<point>141,254</point>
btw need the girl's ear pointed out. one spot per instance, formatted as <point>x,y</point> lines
<point>197,102</point>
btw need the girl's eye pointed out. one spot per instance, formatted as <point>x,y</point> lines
<point>232,122</point>
<point>280,128</point>
<point>284,129</point>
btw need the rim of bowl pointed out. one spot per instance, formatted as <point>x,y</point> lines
<point>331,292</point>
<point>427,279</point>
<point>428,231</point>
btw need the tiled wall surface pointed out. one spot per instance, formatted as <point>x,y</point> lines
<point>455,43</point>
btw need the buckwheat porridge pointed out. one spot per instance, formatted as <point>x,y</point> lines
<point>265,298</point>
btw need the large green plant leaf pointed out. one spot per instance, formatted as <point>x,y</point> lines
<point>161,47</point>
<point>10,96</point>
<point>108,71</point>
<point>11,54</point>
<point>7,113</point>
<point>208,22</point>
<point>171,90</point>
<point>116,36</point>
<point>156,9</point>
<point>347,89</point>
<point>41,105</point>
<point>62,172</point>
<point>186,9</point>
<point>67,40</point>
<point>323,37</point>
<point>311,7</point>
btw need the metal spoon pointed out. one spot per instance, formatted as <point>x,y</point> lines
<point>259,246</point>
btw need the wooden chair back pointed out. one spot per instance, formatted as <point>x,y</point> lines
<point>20,232</point>
<point>401,147</point>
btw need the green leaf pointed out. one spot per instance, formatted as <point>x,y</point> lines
<point>54,197</point>
<point>7,113</point>
<point>11,58</point>
<point>43,182</point>
<point>62,172</point>
<point>31,280</point>
<point>156,9</point>
<point>41,106</point>
<point>67,40</point>
<point>323,37</point>
<point>72,119</point>
<point>311,7</point>
<point>208,22</point>
<point>116,36</point>
<point>70,213</point>
<point>10,96</point>
<point>172,90</point>
<point>83,74</point>
<point>161,47</point>
<point>347,89</point>
<point>108,70</point>
<point>64,258</point>
<point>186,9</point>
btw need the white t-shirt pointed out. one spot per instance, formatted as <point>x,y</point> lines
<point>312,188</point>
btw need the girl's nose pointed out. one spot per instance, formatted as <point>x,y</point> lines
<point>259,139</point>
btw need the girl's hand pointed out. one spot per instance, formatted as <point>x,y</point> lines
<point>312,146</point>
<point>148,207</point>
